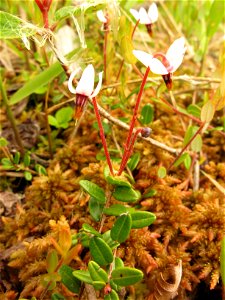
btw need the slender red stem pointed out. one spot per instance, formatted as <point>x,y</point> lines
<point>134,118</point>
<point>129,151</point>
<point>101,131</point>
<point>45,18</point>
<point>136,25</point>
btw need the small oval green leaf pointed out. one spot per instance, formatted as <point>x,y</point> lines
<point>16,158</point>
<point>115,210</point>
<point>83,276</point>
<point>115,180</point>
<point>121,228</point>
<point>26,159</point>
<point>94,190</point>
<point>161,172</point>
<point>207,112</point>
<point>142,219</point>
<point>196,144</point>
<point>98,285</point>
<point>100,251</point>
<point>126,194</point>
<point>147,114</point>
<point>28,175</point>
<point>96,272</point>
<point>126,276</point>
<point>133,161</point>
<point>107,238</point>
<point>67,278</point>
<point>95,208</point>
<point>112,296</point>
<point>88,228</point>
<point>3,142</point>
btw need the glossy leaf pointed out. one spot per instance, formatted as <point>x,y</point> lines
<point>112,296</point>
<point>67,278</point>
<point>126,276</point>
<point>26,159</point>
<point>196,145</point>
<point>96,272</point>
<point>121,228</point>
<point>142,219</point>
<point>64,115</point>
<point>57,296</point>
<point>95,208</point>
<point>115,180</point>
<point>98,285</point>
<point>88,228</point>
<point>207,112</point>
<point>150,193</point>
<point>16,158</point>
<point>126,194</point>
<point>161,172</point>
<point>83,276</point>
<point>118,263</point>
<point>147,114</point>
<point>133,161</point>
<point>100,251</point>
<point>189,134</point>
<point>28,175</point>
<point>94,190</point>
<point>115,210</point>
<point>194,110</point>
<point>3,142</point>
<point>109,241</point>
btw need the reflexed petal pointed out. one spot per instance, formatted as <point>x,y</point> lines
<point>98,87</point>
<point>144,18</point>
<point>176,63</point>
<point>153,12</point>
<point>177,49</point>
<point>70,81</point>
<point>101,16</point>
<point>157,67</point>
<point>135,14</point>
<point>144,57</point>
<point>86,84</point>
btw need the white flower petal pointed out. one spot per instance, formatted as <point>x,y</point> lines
<point>176,63</point>
<point>70,81</point>
<point>177,49</point>
<point>144,18</point>
<point>86,84</point>
<point>153,12</point>
<point>101,16</point>
<point>26,42</point>
<point>135,14</point>
<point>157,67</point>
<point>144,57</point>
<point>98,87</point>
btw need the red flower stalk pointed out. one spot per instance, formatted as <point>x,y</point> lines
<point>44,6</point>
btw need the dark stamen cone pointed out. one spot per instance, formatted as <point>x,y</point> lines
<point>79,105</point>
<point>149,29</point>
<point>168,80</point>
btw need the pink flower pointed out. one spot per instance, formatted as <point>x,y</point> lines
<point>145,17</point>
<point>85,87</point>
<point>166,64</point>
